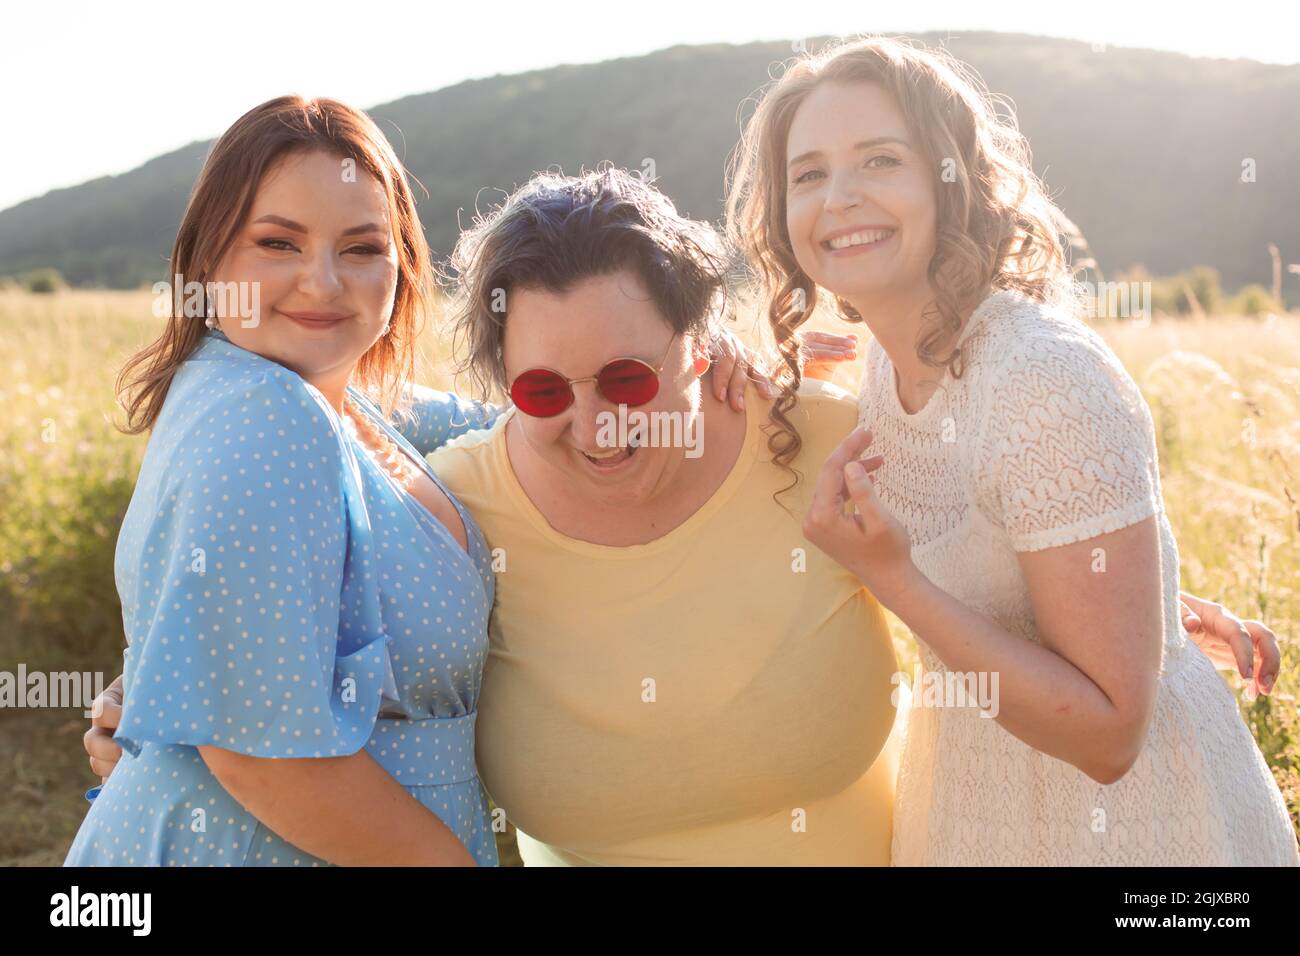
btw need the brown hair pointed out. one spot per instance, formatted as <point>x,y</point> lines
<point>557,230</point>
<point>997,228</point>
<point>218,208</point>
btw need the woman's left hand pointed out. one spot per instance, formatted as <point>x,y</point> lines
<point>735,363</point>
<point>822,352</point>
<point>872,543</point>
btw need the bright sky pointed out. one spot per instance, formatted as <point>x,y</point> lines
<point>91,88</point>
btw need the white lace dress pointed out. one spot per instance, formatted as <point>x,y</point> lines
<point>1045,440</point>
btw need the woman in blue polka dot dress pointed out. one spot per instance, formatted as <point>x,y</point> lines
<point>305,604</point>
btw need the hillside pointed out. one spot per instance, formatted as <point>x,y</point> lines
<point>1143,149</point>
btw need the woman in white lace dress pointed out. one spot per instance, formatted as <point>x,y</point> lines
<point>1010,510</point>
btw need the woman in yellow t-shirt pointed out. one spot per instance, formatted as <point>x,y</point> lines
<point>674,675</point>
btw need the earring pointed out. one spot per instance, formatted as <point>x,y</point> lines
<point>210,321</point>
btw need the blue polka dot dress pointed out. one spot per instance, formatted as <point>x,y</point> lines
<point>283,597</point>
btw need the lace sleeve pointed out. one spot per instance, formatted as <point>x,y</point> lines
<point>1068,447</point>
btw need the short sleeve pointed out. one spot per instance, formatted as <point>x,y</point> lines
<point>441,416</point>
<point>235,604</point>
<point>1068,449</point>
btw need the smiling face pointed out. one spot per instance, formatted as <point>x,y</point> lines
<point>860,197</point>
<point>576,333</point>
<point>320,247</point>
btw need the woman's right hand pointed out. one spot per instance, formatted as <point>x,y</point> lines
<point>106,711</point>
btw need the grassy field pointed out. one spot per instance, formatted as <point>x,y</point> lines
<point>1225,394</point>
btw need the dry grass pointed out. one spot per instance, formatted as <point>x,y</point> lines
<point>1225,394</point>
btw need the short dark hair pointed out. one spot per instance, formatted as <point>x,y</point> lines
<point>555,231</point>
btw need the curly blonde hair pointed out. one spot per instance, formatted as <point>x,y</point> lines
<point>996,226</point>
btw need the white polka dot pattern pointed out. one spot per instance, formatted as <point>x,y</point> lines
<point>274,583</point>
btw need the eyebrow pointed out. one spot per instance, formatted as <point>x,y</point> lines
<point>865,144</point>
<point>299,227</point>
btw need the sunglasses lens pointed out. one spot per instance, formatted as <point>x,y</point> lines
<point>628,382</point>
<point>540,393</point>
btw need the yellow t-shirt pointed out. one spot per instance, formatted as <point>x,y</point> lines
<point>720,695</point>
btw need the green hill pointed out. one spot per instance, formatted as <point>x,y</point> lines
<point>1143,149</point>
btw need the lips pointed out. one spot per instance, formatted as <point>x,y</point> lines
<point>610,459</point>
<point>857,239</point>
<point>315,320</point>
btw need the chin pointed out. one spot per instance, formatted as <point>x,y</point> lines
<point>860,288</point>
<point>309,358</point>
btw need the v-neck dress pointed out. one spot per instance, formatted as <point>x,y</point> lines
<point>284,598</point>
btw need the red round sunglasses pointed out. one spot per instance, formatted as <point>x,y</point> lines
<point>543,392</point>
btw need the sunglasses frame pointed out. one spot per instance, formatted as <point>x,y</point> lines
<point>570,382</point>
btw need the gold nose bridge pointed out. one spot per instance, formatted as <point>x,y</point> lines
<point>596,378</point>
